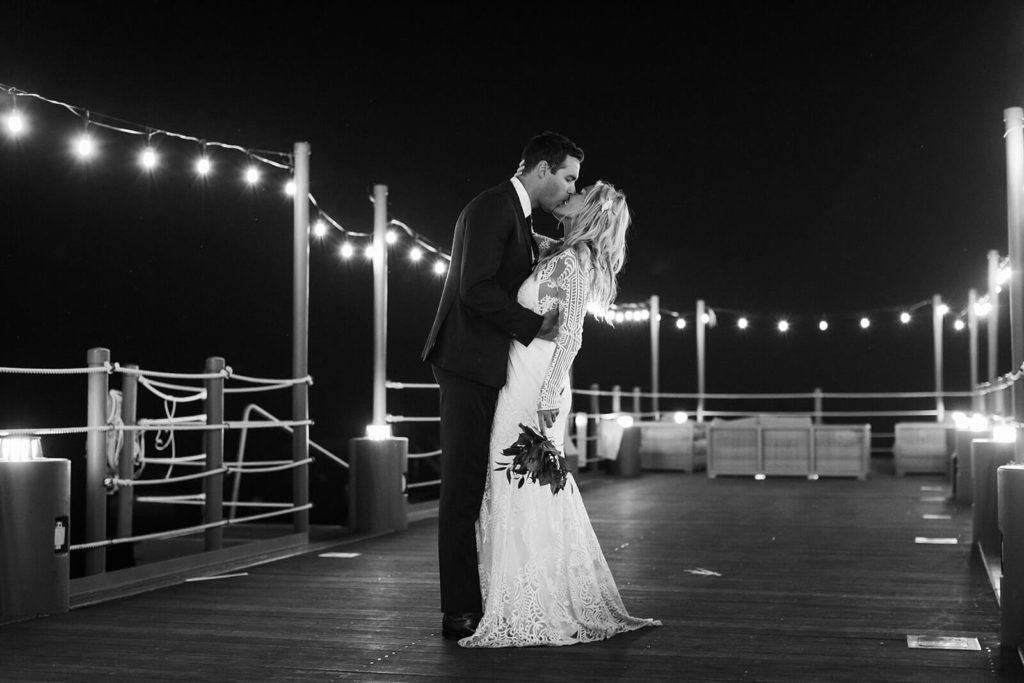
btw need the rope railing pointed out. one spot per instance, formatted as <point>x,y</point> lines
<point>188,531</point>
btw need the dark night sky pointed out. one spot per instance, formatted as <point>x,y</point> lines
<point>793,158</point>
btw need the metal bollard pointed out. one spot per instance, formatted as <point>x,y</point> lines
<point>35,504</point>
<point>1011,524</point>
<point>378,491</point>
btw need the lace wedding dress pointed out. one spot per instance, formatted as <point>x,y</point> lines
<point>543,576</point>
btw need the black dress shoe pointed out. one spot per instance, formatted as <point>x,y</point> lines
<point>456,625</point>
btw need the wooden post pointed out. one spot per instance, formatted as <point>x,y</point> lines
<point>972,329</point>
<point>126,456</point>
<point>818,399</point>
<point>998,404</point>
<point>699,324</point>
<point>380,302</point>
<point>1014,120</point>
<point>637,404</point>
<point>595,416</point>
<point>937,315</point>
<point>655,360</point>
<point>96,463</point>
<point>213,439</point>
<point>300,335</point>
<point>616,399</point>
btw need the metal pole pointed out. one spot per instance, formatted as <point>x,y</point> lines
<point>972,329</point>
<point>818,404</point>
<point>213,485</point>
<point>637,406</point>
<point>96,463</point>
<point>998,406</point>
<point>655,361</point>
<point>126,456</point>
<point>300,334</point>
<point>937,335</point>
<point>380,301</point>
<point>699,324</point>
<point>1014,119</point>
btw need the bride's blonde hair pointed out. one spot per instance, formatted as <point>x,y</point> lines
<point>598,234</point>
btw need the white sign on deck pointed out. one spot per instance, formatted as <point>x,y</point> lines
<point>943,642</point>
<point>340,555</point>
<point>937,516</point>
<point>937,541</point>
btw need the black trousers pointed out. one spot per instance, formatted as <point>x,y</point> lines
<point>467,411</point>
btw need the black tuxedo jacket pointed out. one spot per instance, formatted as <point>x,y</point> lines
<point>493,252</point>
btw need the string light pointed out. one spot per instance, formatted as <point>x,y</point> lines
<point>148,157</point>
<point>942,309</point>
<point>15,123</point>
<point>865,323</point>
<point>252,174</point>
<point>86,147</point>
<point>959,324</point>
<point>204,165</point>
<point>368,252</point>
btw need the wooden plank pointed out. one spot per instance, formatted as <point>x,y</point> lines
<point>782,579</point>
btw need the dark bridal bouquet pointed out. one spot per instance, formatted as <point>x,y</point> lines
<point>535,458</point>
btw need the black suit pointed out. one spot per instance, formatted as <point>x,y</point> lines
<point>492,254</point>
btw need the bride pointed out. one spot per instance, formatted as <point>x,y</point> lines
<point>543,576</point>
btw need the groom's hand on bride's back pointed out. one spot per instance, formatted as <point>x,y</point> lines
<point>549,327</point>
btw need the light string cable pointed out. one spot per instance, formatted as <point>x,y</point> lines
<point>132,128</point>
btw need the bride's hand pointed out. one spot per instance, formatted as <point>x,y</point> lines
<point>546,418</point>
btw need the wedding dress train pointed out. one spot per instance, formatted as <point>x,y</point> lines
<point>543,576</point>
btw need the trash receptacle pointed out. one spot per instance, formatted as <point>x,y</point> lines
<point>35,505</point>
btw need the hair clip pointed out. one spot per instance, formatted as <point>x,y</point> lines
<point>607,205</point>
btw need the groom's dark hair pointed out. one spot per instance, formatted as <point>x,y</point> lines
<point>550,147</point>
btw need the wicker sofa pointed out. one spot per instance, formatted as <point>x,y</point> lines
<point>787,446</point>
<point>667,445</point>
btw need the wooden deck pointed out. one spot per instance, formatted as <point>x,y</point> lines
<point>775,580</point>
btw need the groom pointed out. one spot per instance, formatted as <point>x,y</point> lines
<point>493,252</point>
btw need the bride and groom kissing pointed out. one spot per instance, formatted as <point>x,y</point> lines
<point>519,562</point>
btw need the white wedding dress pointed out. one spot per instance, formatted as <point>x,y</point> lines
<point>543,576</point>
